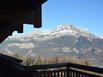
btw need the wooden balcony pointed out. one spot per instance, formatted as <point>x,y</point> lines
<point>65,70</point>
<point>11,67</point>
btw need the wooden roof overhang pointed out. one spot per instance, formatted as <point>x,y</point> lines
<point>15,13</point>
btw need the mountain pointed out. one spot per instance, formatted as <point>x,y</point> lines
<point>64,40</point>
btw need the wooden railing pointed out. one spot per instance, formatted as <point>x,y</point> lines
<point>65,70</point>
<point>11,67</point>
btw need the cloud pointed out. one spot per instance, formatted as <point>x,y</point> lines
<point>21,45</point>
<point>27,45</point>
<point>13,44</point>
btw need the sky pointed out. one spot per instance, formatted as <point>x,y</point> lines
<point>81,13</point>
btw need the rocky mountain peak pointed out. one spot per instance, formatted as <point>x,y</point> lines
<point>64,27</point>
<point>59,31</point>
<point>71,30</point>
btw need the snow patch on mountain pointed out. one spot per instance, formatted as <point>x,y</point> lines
<point>59,31</point>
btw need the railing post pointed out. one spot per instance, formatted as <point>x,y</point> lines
<point>68,71</point>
